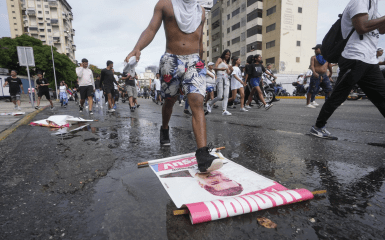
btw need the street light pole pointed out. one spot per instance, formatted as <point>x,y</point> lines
<point>54,74</point>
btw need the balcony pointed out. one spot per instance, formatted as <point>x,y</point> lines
<point>70,17</point>
<point>74,47</point>
<point>32,30</point>
<point>23,7</point>
<point>54,22</point>
<point>53,4</point>
<point>31,12</point>
<point>56,39</point>
<point>73,32</point>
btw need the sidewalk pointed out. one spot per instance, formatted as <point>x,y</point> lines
<point>8,107</point>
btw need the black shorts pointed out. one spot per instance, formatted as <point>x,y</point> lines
<point>109,89</point>
<point>86,91</point>
<point>44,93</point>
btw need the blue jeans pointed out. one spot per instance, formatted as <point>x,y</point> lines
<point>63,98</point>
<point>276,89</point>
<point>315,84</point>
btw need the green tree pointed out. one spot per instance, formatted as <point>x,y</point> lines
<point>65,68</point>
<point>95,69</point>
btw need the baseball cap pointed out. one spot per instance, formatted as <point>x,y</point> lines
<point>317,46</point>
<point>210,64</point>
<point>84,60</point>
<point>380,49</point>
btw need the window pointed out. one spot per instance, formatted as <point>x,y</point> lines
<point>48,18</point>
<point>39,12</point>
<point>16,30</point>
<point>14,17</point>
<point>39,6</point>
<point>207,21</point>
<point>299,27</point>
<point>270,60</point>
<point>228,16</point>
<point>207,32</point>
<point>236,54</point>
<point>236,26</point>
<point>298,59</point>
<point>271,10</point>
<point>298,43</point>
<point>254,30</point>
<point>15,24</point>
<point>257,46</point>
<point>215,36</point>
<point>12,5</point>
<point>235,40</point>
<point>215,25</point>
<point>215,13</point>
<point>235,12</point>
<point>257,13</point>
<point>208,43</point>
<point>270,28</point>
<point>250,2</point>
<point>49,30</point>
<point>48,24</point>
<point>13,11</point>
<point>208,53</point>
<point>46,12</point>
<point>270,44</point>
<point>228,43</point>
<point>46,6</point>
<point>233,1</point>
<point>228,30</point>
<point>299,9</point>
<point>228,3</point>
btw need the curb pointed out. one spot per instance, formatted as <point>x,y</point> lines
<point>23,121</point>
<point>297,97</point>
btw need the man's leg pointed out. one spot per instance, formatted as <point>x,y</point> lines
<point>242,93</point>
<point>90,102</point>
<point>130,99</point>
<point>198,118</point>
<point>110,101</point>
<point>219,93</point>
<point>167,111</point>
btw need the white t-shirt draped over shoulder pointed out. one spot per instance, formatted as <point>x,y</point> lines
<point>356,49</point>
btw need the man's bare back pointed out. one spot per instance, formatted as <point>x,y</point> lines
<point>177,42</point>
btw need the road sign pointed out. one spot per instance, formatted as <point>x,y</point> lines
<point>25,55</point>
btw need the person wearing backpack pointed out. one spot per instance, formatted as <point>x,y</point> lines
<point>361,26</point>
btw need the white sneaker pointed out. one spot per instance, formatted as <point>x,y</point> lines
<point>181,105</point>
<point>208,107</point>
<point>342,104</point>
<point>111,110</point>
<point>268,106</point>
<point>233,106</point>
<point>314,104</point>
<point>15,107</point>
<point>226,113</point>
<point>247,106</point>
<point>310,106</point>
<point>244,110</point>
<point>19,108</point>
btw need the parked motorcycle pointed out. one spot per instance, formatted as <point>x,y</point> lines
<point>281,91</point>
<point>298,91</point>
<point>356,93</point>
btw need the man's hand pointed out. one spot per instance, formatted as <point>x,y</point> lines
<point>316,75</point>
<point>244,84</point>
<point>136,53</point>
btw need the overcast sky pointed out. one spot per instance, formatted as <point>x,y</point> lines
<point>108,30</point>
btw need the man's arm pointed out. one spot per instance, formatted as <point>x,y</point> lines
<point>22,89</point>
<point>363,25</point>
<point>312,67</point>
<point>268,73</point>
<point>5,84</point>
<point>79,71</point>
<point>93,80</point>
<point>148,34</point>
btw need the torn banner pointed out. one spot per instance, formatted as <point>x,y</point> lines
<point>230,191</point>
<point>59,121</point>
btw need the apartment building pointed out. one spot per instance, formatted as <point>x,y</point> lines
<point>47,20</point>
<point>283,31</point>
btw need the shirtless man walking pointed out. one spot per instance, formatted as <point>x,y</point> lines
<point>319,66</point>
<point>181,67</point>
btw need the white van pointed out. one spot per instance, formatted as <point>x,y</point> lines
<point>4,91</point>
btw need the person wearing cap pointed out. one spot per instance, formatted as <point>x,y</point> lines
<point>210,84</point>
<point>320,78</point>
<point>358,63</point>
<point>381,60</point>
<point>86,85</point>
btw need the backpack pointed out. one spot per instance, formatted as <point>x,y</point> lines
<point>333,43</point>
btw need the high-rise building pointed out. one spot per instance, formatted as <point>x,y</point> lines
<point>154,69</point>
<point>283,31</point>
<point>47,20</point>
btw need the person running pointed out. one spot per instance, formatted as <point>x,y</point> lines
<point>255,71</point>
<point>131,89</point>
<point>237,84</point>
<point>63,94</point>
<point>108,80</point>
<point>210,84</point>
<point>42,84</point>
<point>86,85</point>
<point>223,84</point>
<point>319,66</point>
<point>358,63</point>
<point>181,67</point>
<point>157,89</point>
<point>15,85</point>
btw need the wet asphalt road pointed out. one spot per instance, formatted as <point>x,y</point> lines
<point>86,185</point>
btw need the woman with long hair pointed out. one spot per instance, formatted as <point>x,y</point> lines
<point>237,84</point>
<point>223,69</point>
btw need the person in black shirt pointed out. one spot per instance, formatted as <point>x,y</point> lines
<point>98,91</point>
<point>254,75</point>
<point>14,88</point>
<point>107,80</point>
<point>43,84</point>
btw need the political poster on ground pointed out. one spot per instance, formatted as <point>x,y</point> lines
<point>232,190</point>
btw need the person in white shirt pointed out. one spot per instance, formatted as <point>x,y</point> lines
<point>63,94</point>
<point>307,78</point>
<point>237,84</point>
<point>157,89</point>
<point>381,60</point>
<point>86,84</point>
<point>210,84</point>
<point>358,63</point>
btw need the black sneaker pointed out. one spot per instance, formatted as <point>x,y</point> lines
<point>37,107</point>
<point>164,137</point>
<point>187,112</point>
<point>80,108</point>
<point>322,133</point>
<point>206,161</point>
<point>61,104</point>
<point>132,109</point>
<point>65,106</point>
<point>137,106</point>
<point>260,105</point>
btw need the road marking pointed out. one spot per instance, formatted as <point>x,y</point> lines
<point>290,132</point>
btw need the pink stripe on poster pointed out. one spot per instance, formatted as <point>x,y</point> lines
<point>199,212</point>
